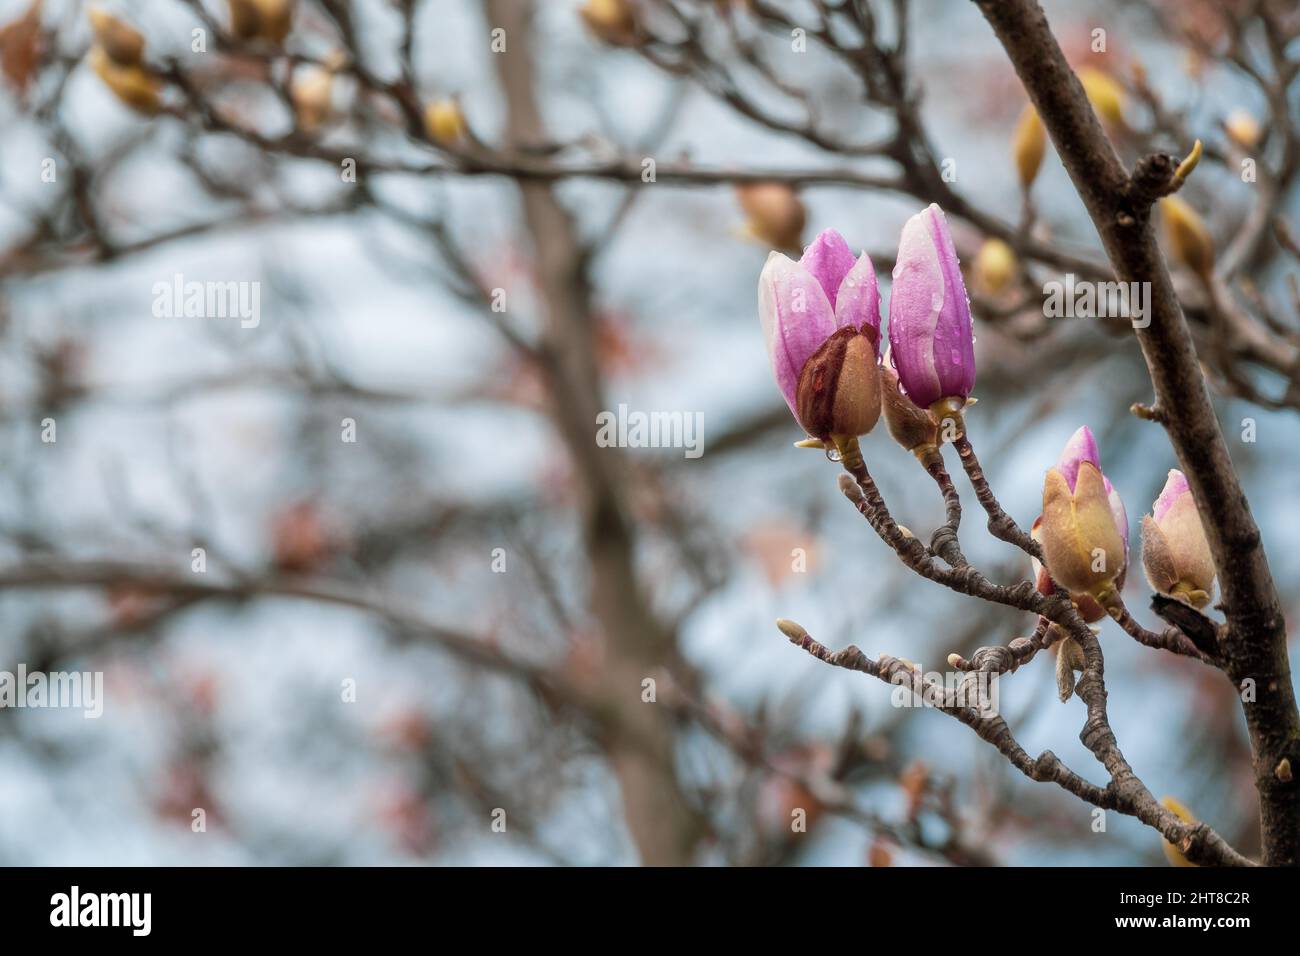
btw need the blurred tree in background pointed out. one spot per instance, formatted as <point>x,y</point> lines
<point>363,583</point>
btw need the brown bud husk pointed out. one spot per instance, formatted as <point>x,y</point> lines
<point>133,85</point>
<point>1189,239</point>
<point>268,20</point>
<point>1028,144</point>
<point>839,387</point>
<point>909,425</point>
<point>1069,658</point>
<point>121,42</point>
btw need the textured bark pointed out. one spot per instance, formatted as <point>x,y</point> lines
<point>1254,641</point>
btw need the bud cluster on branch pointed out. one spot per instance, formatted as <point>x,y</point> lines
<point>821,318</point>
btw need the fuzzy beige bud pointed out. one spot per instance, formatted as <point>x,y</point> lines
<point>268,20</point>
<point>776,215</point>
<point>121,42</point>
<point>1189,239</point>
<point>613,21</point>
<point>312,92</point>
<point>1242,128</point>
<point>994,267</point>
<point>1106,96</point>
<point>134,85</point>
<point>444,122</point>
<point>791,629</point>
<point>1028,144</point>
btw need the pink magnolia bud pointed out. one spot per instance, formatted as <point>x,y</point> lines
<point>930,336</point>
<point>827,306</point>
<point>1083,531</point>
<point>1175,555</point>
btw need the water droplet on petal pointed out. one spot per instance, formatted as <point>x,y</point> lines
<point>833,454</point>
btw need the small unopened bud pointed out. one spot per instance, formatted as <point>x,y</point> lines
<point>613,21</point>
<point>444,122</point>
<point>910,426</point>
<point>1242,128</point>
<point>122,43</point>
<point>312,92</point>
<point>776,215</point>
<point>1069,658</point>
<point>1083,530</point>
<point>1106,96</point>
<point>1172,853</point>
<point>1283,770</point>
<point>268,20</point>
<point>995,267</point>
<point>1175,553</point>
<point>791,629</point>
<point>1189,239</point>
<point>1028,144</point>
<point>134,85</point>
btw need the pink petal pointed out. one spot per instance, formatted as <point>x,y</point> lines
<point>828,259</point>
<point>796,318</point>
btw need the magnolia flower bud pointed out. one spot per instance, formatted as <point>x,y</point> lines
<point>613,21</point>
<point>776,216</point>
<point>1088,608</point>
<point>995,266</point>
<point>1084,531</point>
<point>910,426</point>
<point>1242,128</point>
<point>444,122</point>
<point>1175,554</point>
<point>312,91</point>
<point>1028,144</point>
<point>121,42</point>
<point>930,338</point>
<point>268,19</point>
<point>1172,853</point>
<point>135,86</point>
<point>1188,238</point>
<point>1105,95</point>
<point>244,20</point>
<point>821,323</point>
